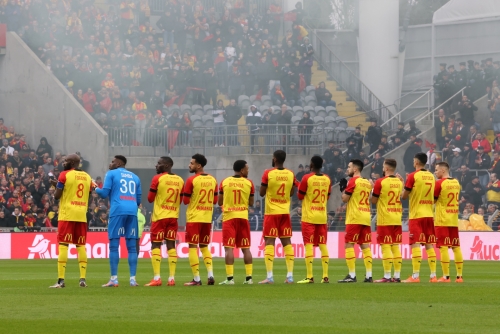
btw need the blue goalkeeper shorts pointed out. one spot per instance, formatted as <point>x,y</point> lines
<point>123,226</point>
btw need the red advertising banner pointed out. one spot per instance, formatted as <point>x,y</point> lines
<point>475,246</point>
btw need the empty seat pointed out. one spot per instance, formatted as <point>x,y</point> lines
<point>340,134</point>
<point>195,107</point>
<point>341,122</point>
<point>296,119</point>
<point>332,111</point>
<point>330,122</point>
<point>207,107</point>
<point>245,104</point>
<point>208,120</point>
<point>252,98</point>
<point>242,98</point>
<point>310,89</point>
<point>185,107</point>
<point>310,101</point>
<point>265,98</point>
<point>197,122</point>
<point>319,119</point>
<point>320,111</point>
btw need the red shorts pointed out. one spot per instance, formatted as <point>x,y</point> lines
<point>447,236</point>
<point>164,229</point>
<point>314,233</point>
<point>389,234</point>
<point>422,231</point>
<point>72,232</point>
<point>277,226</point>
<point>358,234</point>
<point>236,233</point>
<point>198,233</point>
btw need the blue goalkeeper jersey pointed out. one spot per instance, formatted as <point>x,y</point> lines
<point>124,191</point>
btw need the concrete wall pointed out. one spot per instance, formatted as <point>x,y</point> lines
<point>483,114</point>
<point>38,105</point>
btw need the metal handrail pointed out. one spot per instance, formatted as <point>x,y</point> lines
<point>358,91</point>
<point>439,107</point>
<point>398,115</point>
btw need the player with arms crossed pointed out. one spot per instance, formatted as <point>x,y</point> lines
<point>200,195</point>
<point>356,194</point>
<point>314,192</point>
<point>166,192</point>
<point>124,191</point>
<point>419,188</point>
<point>278,186</point>
<point>236,194</point>
<point>446,195</point>
<point>386,195</point>
<point>72,189</point>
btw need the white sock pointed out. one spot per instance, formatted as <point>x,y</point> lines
<point>368,274</point>
<point>170,278</point>
<point>114,277</point>
<point>433,275</point>
<point>397,274</point>
<point>289,274</point>
<point>156,278</point>
<point>353,275</point>
<point>387,275</point>
<point>132,278</point>
<point>197,278</point>
<point>210,274</point>
<point>269,274</point>
<point>416,275</point>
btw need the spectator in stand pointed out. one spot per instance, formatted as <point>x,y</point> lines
<point>44,148</point>
<point>292,95</point>
<point>456,161</point>
<point>4,221</point>
<point>493,190</point>
<point>378,164</point>
<point>475,191</point>
<point>495,114</point>
<point>471,136</point>
<point>284,120</point>
<point>373,136</point>
<point>48,166</point>
<point>401,133</point>
<point>324,96</point>
<point>414,148</point>
<point>305,127</point>
<point>300,174</point>
<point>441,125</point>
<point>481,141</point>
<point>413,129</point>
<point>358,138</point>
<point>466,109</point>
<point>277,96</point>
<point>253,120</point>
<point>219,115</point>
<point>8,149</point>
<point>482,161</point>
<point>495,166</point>
<point>351,152</point>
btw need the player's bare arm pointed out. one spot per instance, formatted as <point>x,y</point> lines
<point>250,200</point>
<point>406,194</point>
<point>220,201</point>
<point>345,197</point>
<point>262,190</point>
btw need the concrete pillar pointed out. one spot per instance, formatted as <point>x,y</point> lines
<point>379,47</point>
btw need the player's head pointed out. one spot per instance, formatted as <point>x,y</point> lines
<point>72,161</point>
<point>164,165</point>
<point>198,161</point>
<point>316,163</point>
<point>389,166</point>
<point>117,162</point>
<point>279,157</point>
<point>419,160</point>
<point>355,166</point>
<point>442,170</point>
<point>240,168</point>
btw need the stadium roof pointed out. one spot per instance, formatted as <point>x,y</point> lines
<point>463,10</point>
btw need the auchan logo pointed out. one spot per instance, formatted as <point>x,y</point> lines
<point>482,251</point>
<point>43,248</point>
<point>40,247</point>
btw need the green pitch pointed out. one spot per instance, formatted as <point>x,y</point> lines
<point>27,305</point>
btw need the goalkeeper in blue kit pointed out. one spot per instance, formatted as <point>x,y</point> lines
<point>124,191</point>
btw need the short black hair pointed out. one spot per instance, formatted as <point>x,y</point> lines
<point>280,156</point>
<point>358,163</point>
<point>444,164</point>
<point>317,161</point>
<point>421,157</point>
<point>239,165</point>
<point>168,160</point>
<point>391,163</point>
<point>200,158</point>
<point>121,158</point>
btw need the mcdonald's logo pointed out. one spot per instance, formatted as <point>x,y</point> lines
<point>68,237</point>
<point>230,241</point>
<point>311,238</point>
<point>388,239</point>
<point>206,238</point>
<point>447,241</point>
<point>160,235</point>
<point>170,234</point>
<point>273,231</point>
<point>195,238</point>
<point>287,231</point>
<point>399,238</point>
<point>245,242</point>
<point>432,238</point>
<point>422,237</point>
<point>321,238</point>
<point>368,237</point>
<point>456,241</point>
<point>355,237</point>
<point>121,230</point>
<point>81,239</point>
<point>133,232</point>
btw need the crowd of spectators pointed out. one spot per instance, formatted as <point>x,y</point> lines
<point>124,69</point>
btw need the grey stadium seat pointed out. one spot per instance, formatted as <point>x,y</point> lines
<point>242,98</point>
<point>332,111</point>
<point>295,119</point>
<point>310,101</point>
<point>319,119</point>
<point>340,134</point>
<point>341,122</point>
<point>320,111</point>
